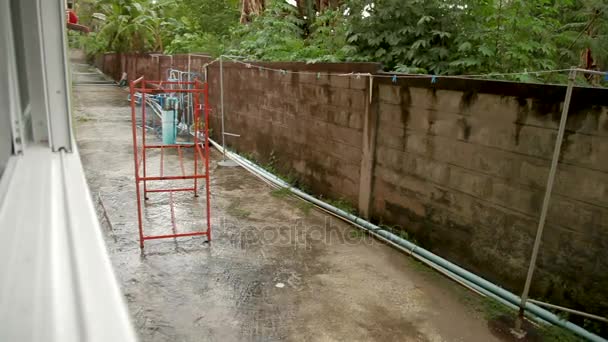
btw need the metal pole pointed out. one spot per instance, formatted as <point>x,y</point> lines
<point>576,312</point>
<point>189,119</point>
<point>545,207</point>
<point>222,105</point>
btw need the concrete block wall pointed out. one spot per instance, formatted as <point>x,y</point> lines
<point>307,126</point>
<point>151,66</point>
<point>462,166</point>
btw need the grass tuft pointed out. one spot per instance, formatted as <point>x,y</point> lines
<point>235,210</point>
<point>280,192</point>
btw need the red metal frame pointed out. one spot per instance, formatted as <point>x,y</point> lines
<point>200,149</point>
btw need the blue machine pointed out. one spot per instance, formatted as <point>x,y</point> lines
<point>169,120</point>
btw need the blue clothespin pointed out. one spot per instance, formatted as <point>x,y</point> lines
<point>394,78</point>
<point>434,80</point>
<point>606,78</point>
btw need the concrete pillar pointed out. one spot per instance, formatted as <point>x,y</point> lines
<point>370,129</point>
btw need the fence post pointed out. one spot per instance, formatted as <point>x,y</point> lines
<point>159,74</point>
<point>222,106</point>
<point>370,129</point>
<point>546,200</point>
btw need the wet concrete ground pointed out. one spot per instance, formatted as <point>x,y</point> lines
<point>276,270</point>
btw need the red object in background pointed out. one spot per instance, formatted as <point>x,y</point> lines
<point>72,17</point>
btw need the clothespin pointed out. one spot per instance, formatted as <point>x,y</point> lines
<point>433,79</point>
<point>318,75</point>
<point>283,72</point>
<point>260,69</point>
<point>358,76</point>
<point>248,66</point>
<point>394,78</point>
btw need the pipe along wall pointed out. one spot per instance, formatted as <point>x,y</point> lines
<point>470,279</point>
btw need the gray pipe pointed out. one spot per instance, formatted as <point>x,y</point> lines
<point>475,281</point>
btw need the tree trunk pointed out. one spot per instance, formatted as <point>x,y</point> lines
<point>322,5</point>
<point>308,10</point>
<point>317,5</point>
<point>587,60</point>
<point>250,8</point>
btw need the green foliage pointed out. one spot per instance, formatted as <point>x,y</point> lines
<point>192,42</point>
<point>132,26</point>
<point>74,39</point>
<point>285,192</point>
<point>584,26</point>
<point>514,36</point>
<point>93,43</point>
<point>554,333</point>
<point>280,192</point>
<point>280,34</point>
<point>327,39</point>
<point>397,230</point>
<point>215,17</point>
<point>203,25</point>
<point>416,36</point>
<point>274,35</point>
<point>342,204</point>
<point>462,37</point>
<point>478,37</point>
<point>493,309</point>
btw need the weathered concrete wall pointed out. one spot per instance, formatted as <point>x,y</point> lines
<point>152,67</point>
<point>459,164</point>
<point>462,166</point>
<point>307,126</point>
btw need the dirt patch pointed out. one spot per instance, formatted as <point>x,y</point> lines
<point>501,327</point>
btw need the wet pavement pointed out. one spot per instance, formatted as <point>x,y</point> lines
<point>276,270</point>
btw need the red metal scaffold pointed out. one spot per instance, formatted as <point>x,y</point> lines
<point>199,146</point>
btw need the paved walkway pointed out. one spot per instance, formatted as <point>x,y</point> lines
<point>277,269</point>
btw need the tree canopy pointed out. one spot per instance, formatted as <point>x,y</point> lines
<point>413,36</point>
